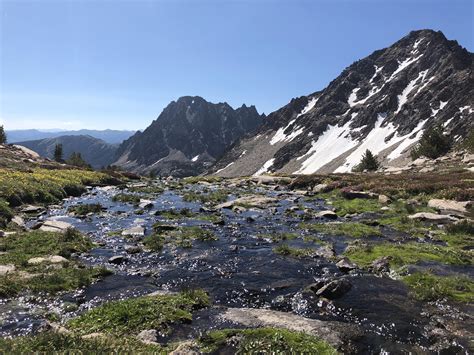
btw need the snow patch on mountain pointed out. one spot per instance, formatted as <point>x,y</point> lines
<point>265,167</point>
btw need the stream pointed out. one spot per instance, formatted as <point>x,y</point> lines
<point>238,270</point>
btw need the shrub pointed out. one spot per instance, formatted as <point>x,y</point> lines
<point>368,162</point>
<point>433,144</point>
<point>3,136</point>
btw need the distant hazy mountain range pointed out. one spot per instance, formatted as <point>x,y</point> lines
<point>109,136</point>
<point>94,151</point>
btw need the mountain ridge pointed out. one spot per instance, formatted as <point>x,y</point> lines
<point>382,102</point>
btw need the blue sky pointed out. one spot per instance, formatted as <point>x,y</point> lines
<point>116,64</point>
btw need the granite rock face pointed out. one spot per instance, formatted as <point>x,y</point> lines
<point>383,102</point>
<point>187,137</point>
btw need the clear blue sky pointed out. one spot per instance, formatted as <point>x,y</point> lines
<point>116,64</point>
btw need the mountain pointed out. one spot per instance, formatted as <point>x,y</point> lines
<point>94,151</point>
<point>108,135</point>
<point>383,102</point>
<point>187,137</point>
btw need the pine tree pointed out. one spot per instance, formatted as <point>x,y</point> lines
<point>58,153</point>
<point>433,144</point>
<point>368,162</point>
<point>3,136</point>
<point>77,160</point>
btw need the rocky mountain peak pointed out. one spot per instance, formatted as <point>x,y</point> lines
<point>187,137</point>
<point>383,102</point>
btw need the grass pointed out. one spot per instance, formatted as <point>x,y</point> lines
<point>6,213</point>
<point>455,184</point>
<point>174,214</point>
<point>428,287</point>
<point>408,253</point>
<point>20,247</point>
<point>286,250</point>
<point>265,341</point>
<point>126,198</point>
<point>198,179</point>
<point>154,242</point>
<point>83,210</point>
<point>47,186</point>
<point>350,229</point>
<point>212,197</point>
<point>50,342</point>
<point>134,315</point>
<point>344,206</point>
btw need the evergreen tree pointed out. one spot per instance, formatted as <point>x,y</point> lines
<point>58,153</point>
<point>77,160</point>
<point>433,144</point>
<point>368,162</point>
<point>3,136</point>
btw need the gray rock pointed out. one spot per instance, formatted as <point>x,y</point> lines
<point>136,231</point>
<point>320,188</point>
<point>352,194</point>
<point>432,217</point>
<point>450,205</point>
<point>337,334</point>
<point>7,269</point>
<point>149,336</point>
<point>55,226</point>
<point>326,214</point>
<point>384,199</point>
<point>18,221</point>
<point>32,209</point>
<point>346,265</point>
<point>145,204</point>
<point>132,249</point>
<point>117,259</point>
<point>381,264</point>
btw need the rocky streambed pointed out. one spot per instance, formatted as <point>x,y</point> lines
<point>254,249</point>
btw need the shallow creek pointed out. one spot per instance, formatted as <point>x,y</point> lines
<point>238,270</point>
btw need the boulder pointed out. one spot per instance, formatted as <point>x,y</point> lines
<point>188,347</point>
<point>136,231</point>
<point>384,199</point>
<point>145,204</point>
<point>7,269</point>
<point>338,334</point>
<point>352,194</point>
<point>450,205</point>
<point>432,217</point>
<point>52,259</point>
<point>325,251</point>
<point>117,259</point>
<point>255,201</point>
<point>55,226</point>
<point>346,265</point>
<point>18,221</point>
<point>32,209</point>
<point>320,188</point>
<point>132,249</point>
<point>468,158</point>
<point>326,214</point>
<point>148,336</point>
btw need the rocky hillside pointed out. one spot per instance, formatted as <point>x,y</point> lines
<point>94,151</point>
<point>383,102</point>
<point>187,137</point>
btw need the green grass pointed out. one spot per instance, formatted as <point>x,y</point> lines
<point>154,242</point>
<point>408,253</point>
<point>212,197</point>
<point>358,205</point>
<point>20,247</point>
<point>286,250</point>
<point>429,287</point>
<point>47,186</point>
<point>198,179</point>
<point>131,316</point>
<point>350,229</point>
<point>6,213</point>
<point>50,342</point>
<point>174,214</point>
<point>83,210</point>
<point>265,341</point>
<point>126,198</point>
